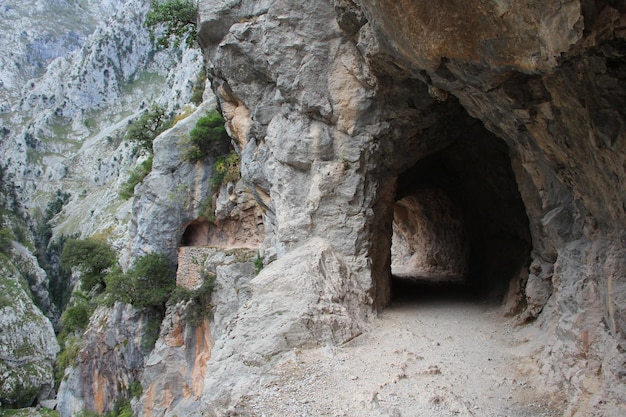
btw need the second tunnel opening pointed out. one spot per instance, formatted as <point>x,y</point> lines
<point>460,229</point>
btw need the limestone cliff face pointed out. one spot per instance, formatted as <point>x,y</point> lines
<point>176,370</point>
<point>111,357</point>
<point>31,41</point>
<point>377,138</point>
<point>74,76</point>
<point>28,346</point>
<point>170,197</point>
<point>63,124</point>
<point>514,110</point>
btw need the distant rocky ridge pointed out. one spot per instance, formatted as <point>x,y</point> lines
<point>30,42</point>
<point>85,92</point>
<point>69,91</point>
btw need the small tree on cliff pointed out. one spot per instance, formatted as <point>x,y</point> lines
<point>93,257</point>
<point>148,284</point>
<point>178,16</point>
<point>209,137</point>
<point>147,127</point>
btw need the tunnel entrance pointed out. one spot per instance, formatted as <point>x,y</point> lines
<point>196,233</point>
<point>460,228</point>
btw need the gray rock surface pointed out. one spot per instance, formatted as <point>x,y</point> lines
<point>91,69</point>
<point>30,43</point>
<point>84,95</point>
<point>338,109</point>
<point>112,355</point>
<point>176,370</point>
<point>336,104</point>
<point>36,277</point>
<point>307,298</point>
<point>28,346</point>
<point>171,195</point>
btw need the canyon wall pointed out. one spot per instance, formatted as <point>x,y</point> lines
<point>485,141</point>
<point>340,107</point>
<point>28,346</point>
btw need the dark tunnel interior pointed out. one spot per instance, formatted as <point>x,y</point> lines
<point>460,229</point>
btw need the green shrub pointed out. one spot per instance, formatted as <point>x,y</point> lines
<point>148,284</point>
<point>198,300</point>
<point>6,237</point>
<point>136,176</point>
<point>258,264</point>
<point>179,17</point>
<point>75,318</point>
<point>208,137</point>
<point>198,88</point>
<point>118,287</point>
<point>147,127</point>
<point>226,169</point>
<point>135,389</point>
<point>93,258</point>
<point>154,278</point>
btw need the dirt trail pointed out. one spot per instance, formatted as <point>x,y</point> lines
<point>452,358</point>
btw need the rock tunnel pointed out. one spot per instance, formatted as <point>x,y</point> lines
<point>196,233</point>
<point>460,227</point>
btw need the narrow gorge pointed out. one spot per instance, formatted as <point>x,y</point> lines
<point>380,154</point>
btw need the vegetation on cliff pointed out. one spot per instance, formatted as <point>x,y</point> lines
<point>179,18</point>
<point>142,132</point>
<point>198,300</point>
<point>147,127</point>
<point>147,285</point>
<point>137,175</point>
<point>92,257</point>
<point>27,346</point>
<point>226,169</point>
<point>209,137</point>
<point>48,251</point>
<point>9,208</point>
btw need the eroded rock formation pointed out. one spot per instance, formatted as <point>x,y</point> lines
<point>336,104</point>
<point>112,356</point>
<point>28,346</point>
<point>491,132</point>
<point>176,370</point>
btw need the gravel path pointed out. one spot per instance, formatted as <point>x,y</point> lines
<point>454,358</point>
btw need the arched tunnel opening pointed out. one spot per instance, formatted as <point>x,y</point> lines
<point>196,233</point>
<point>460,229</point>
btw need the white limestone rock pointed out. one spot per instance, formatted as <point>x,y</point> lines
<point>176,370</point>
<point>112,355</point>
<point>307,298</point>
<point>28,345</point>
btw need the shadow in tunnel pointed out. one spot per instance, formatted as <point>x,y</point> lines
<point>460,230</point>
<point>434,289</point>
